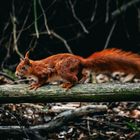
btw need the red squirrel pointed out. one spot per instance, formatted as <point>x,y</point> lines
<point>67,67</point>
<point>63,67</point>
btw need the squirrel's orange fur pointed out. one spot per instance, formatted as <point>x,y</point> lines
<point>111,60</point>
<point>66,67</point>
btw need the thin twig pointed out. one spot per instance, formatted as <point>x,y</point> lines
<point>34,42</point>
<point>13,19</point>
<point>123,8</point>
<point>12,115</point>
<point>29,26</point>
<point>8,44</point>
<point>95,10</point>
<point>35,19</point>
<point>4,31</point>
<point>16,37</point>
<point>62,39</point>
<point>45,19</point>
<point>76,18</point>
<point>113,16</point>
<point>107,11</point>
<point>22,28</point>
<point>88,126</point>
<point>52,33</point>
<point>125,27</point>
<point>110,34</point>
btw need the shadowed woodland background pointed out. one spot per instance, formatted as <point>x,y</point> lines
<point>58,26</point>
<point>80,27</point>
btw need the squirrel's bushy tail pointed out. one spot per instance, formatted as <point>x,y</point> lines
<point>114,60</point>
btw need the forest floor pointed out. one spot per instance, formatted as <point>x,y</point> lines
<point>121,121</point>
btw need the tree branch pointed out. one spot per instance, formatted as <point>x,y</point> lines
<point>58,121</point>
<point>123,8</point>
<point>80,93</point>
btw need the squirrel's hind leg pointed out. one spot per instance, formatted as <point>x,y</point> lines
<point>68,69</point>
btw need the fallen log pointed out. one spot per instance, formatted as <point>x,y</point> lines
<point>107,92</point>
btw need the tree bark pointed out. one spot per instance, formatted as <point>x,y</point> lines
<point>108,92</point>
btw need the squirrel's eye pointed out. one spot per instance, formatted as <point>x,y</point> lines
<point>23,68</point>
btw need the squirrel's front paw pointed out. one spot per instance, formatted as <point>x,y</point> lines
<point>34,86</point>
<point>66,85</point>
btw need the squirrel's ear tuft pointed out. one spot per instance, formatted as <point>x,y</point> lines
<point>27,54</point>
<point>27,61</point>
